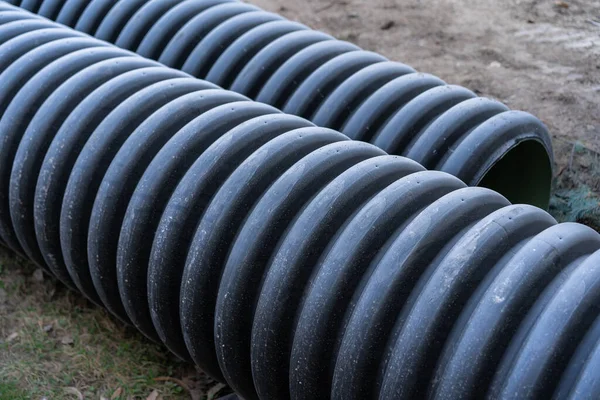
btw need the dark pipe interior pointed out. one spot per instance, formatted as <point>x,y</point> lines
<point>523,175</point>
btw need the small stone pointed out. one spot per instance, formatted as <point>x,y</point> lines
<point>48,328</point>
<point>67,340</point>
<point>495,64</point>
<point>38,276</point>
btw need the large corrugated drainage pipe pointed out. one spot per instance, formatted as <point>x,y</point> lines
<point>281,257</point>
<point>333,83</point>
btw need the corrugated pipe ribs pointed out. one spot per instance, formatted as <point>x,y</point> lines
<point>282,257</point>
<point>332,83</point>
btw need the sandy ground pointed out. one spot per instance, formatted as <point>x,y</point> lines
<point>541,56</point>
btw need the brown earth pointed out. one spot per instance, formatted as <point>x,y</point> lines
<point>540,56</point>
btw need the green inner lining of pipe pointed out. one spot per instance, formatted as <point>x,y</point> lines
<point>523,175</point>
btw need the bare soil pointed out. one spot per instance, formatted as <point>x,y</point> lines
<point>540,56</point>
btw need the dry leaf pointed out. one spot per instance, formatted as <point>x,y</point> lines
<point>117,393</point>
<point>12,337</point>
<point>175,380</point>
<point>210,395</point>
<point>562,4</point>
<point>153,395</point>
<point>74,392</point>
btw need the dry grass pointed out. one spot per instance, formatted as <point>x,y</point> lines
<point>577,186</point>
<point>54,344</point>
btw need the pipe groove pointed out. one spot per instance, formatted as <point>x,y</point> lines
<point>332,83</point>
<point>283,257</point>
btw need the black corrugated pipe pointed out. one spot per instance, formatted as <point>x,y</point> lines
<point>281,257</point>
<point>333,83</point>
